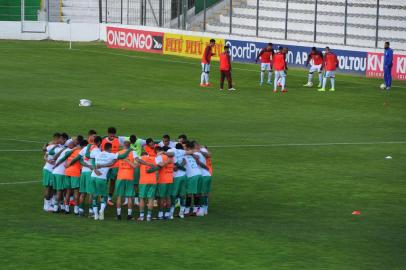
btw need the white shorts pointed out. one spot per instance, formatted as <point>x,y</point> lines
<point>265,66</point>
<point>206,68</point>
<point>329,74</point>
<point>314,68</point>
<point>280,73</point>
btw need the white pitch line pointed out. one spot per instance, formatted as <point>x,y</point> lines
<point>302,144</point>
<point>20,140</point>
<point>20,150</point>
<point>20,183</point>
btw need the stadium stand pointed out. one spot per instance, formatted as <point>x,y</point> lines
<point>361,21</point>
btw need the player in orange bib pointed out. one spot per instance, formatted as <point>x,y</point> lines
<point>165,179</point>
<point>280,67</point>
<point>330,65</point>
<point>225,69</point>
<point>149,148</point>
<point>147,185</point>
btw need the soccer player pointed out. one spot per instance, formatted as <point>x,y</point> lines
<point>387,66</point>
<point>125,180</point>
<point>60,182</point>
<point>280,67</point>
<point>315,58</point>
<point>165,179</point>
<point>330,65</point>
<point>265,56</point>
<point>137,145</point>
<point>102,161</point>
<point>147,186</point>
<point>178,189</point>
<point>47,177</point>
<point>112,175</point>
<point>72,175</point>
<point>193,174</point>
<point>166,141</point>
<point>150,147</point>
<point>207,172</point>
<point>182,138</point>
<point>225,69</point>
<point>206,60</point>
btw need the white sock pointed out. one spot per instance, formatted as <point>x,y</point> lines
<point>195,208</point>
<point>102,207</point>
<point>324,82</point>
<point>118,211</point>
<point>53,200</point>
<point>186,210</point>
<point>81,210</point>
<point>262,76</point>
<point>332,82</point>
<point>167,214</point>
<point>275,83</point>
<point>55,207</point>
<point>136,200</point>
<point>67,207</point>
<point>160,214</point>
<point>310,78</point>
<point>182,210</point>
<point>76,209</point>
<point>95,210</point>
<point>141,214</point>
<point>91,210</point>
<point>130,212</point>
<point>320,78</point>
<point>202,78</point>
<point>269,76</point>
<point>206,76</point>
<point>172,210</point>
<point>283,82</point>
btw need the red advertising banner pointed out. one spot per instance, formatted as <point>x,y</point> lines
<point>133,39</point>
<point>375,66</point>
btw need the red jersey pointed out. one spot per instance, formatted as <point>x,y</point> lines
<point>317,58</point>
<point>330,61</point>
<point>225,61</point>
<point>279,61</point>
<point>207,54</point>
<point>265,56</point>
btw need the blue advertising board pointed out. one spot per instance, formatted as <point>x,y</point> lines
<point>246,51</point>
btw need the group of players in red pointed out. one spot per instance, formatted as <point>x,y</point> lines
<point>272,61</point>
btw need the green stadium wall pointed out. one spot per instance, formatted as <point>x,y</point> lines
<point>10,10</point>
<point>199,5</point>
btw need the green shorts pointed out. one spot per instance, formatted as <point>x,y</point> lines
<point>100,187</point>
<point>164,190</point>
<point>59,181</point>
<point>112,174</point>
<point>206,184</point>
<point>179,186</point>
<point>66,182</point>
<point>147,191</point>
<point>124,188</point>
<point>46,178</point>
<point>85,178</point>
<point>136,175</point>
<point>74,181</point>
<point>193,184</point>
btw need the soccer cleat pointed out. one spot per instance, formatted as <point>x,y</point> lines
<point>208,84</point>
<point>275,90</point>
<point>221,89</point>
<point>181,215</point>
<point>148,218</point>
<point>321,90</point>
<point>101,215</point>
<point>130,217</point>
<point>331,90</point>
<point>110,202</point>
<point>96,217</point>
<point>200,213</point>
<point>118,217</point>
<point>231,89</point>
<point>284,91</point>
<point>203,85</point>
<point>308,85</point>
<point>140,219</point>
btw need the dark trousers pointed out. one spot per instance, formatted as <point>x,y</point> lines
<point>225,74</point>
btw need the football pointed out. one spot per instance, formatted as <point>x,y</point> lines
<point>382,86</point>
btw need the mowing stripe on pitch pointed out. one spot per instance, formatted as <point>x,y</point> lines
<point>20,183</point>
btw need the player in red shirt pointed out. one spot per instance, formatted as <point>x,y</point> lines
<point>330,65</point>
<point>206,60</point>
<point>265,55</point>
<point>315,58</point>
<point>225,69</point>
<point>280,67</point>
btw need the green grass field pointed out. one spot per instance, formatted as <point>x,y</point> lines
<point>282,194</point>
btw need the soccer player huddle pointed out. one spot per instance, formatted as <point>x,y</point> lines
<point>143,173</point>
<point>272,61</point>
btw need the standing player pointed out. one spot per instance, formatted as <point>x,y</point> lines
<point>166,141</point>
<point>47,178</point>
<point>330,64</point>
<point>165,180</point>
<point>72,175</point>
<point>206,60</point>
<point>388,64</point>
<point>147,186</point>
<point>280,67</point>
<point>205,179</point>
<point>225,69</point>
<point>178,189</point>
<point>115,147</point>
<point>265,56</point>
<point>315,58</point>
